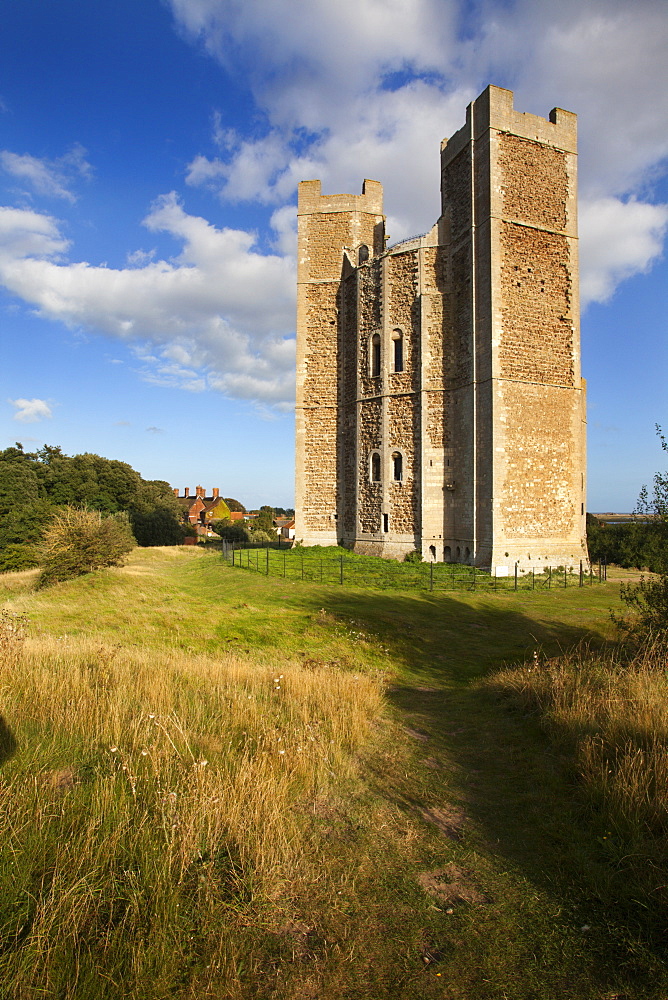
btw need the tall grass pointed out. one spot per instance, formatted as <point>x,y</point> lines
<point>154,813</point>
<point>609,715</point>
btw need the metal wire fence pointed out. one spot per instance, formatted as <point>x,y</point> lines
<point>335,566</point>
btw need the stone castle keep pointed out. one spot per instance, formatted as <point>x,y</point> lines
<point>439,400</point>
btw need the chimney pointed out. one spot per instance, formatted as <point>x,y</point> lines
<point>175,492</point>
<point>215,493</point>
<point>187,492</point>
<point>199,491</point>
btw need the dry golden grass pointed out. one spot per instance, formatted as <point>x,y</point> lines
<point>154,809</point>
<point>610,714</point>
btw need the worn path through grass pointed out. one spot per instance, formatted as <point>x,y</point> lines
<point>465,862</point>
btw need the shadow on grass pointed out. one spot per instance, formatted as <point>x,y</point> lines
<point>520,795</point>
<point>7,742</point>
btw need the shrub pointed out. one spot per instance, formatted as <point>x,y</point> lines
<point>648,604</point>
<point>80,541</point>
<point>15,557</point>
<point>413,557</point>
<point>260,537</point>
<point>231,531</point>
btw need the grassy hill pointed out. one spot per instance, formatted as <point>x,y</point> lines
<point>219,784</point>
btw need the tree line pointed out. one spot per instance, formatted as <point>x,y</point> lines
<point>36,487</point>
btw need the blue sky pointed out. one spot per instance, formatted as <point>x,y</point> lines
<point>149,157</point>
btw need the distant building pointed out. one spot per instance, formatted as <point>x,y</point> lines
<point>201,509</point>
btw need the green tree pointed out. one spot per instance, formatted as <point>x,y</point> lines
<point>234,505</point>
<point>156,515</point>
<point>648,599</point>
<point>232,531</point>
<point>264,522</point>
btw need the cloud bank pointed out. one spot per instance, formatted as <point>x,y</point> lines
<point>368,89</point>
<point>219,315</point>
<point>360,88</point>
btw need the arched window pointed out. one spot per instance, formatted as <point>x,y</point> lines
<point>397,466</point>
<point>362,254</point>
<point>447,554</point>
<point>432,553</point>
<point>375,467</point>
<point>375,355</point>
<point>398,347</point>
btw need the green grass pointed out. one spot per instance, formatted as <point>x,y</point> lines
<point>333,565</point>
<point>443,774</point>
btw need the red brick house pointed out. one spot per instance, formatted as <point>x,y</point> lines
<point>200,510</point>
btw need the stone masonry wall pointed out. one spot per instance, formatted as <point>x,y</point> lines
<point>535,182</point>
<point>369,323</point>
<point>370,439</point>
<point>538,487</point>
<point>347,405</point>
<point>537,343</point>
<point>324,233</point>
<point>320,385</point>
<point>456,193</point>
<point>403,436</point>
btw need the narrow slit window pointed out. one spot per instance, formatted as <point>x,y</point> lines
<point>375,467</point>
<point>363,254</point>
<point>397,466</point>
<point>375,355</point>
<point>386,522</point>
<point>398,345</point>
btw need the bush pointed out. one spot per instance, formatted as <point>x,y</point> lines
<point>261,537</point>
<point>648,604</point>
<point>80,541</point>
<point>231,531</point>
<point>14,557</point>
<point>413,557</point>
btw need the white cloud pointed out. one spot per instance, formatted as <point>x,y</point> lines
<point>220,314</point>
<point>320,73</point>
<point>29,411</point>
<point>51,178</point>
<point>618,239</point>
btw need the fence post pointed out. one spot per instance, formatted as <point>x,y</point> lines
<point>302,567</point>
<point>453,576</point>
<point>474,577</point>
<point>581,572</point>
<point>565,576</point>
<point>267,560</point>
<point>341,558</point>
<point>549,578</point>
<point>321,570</point>
<point>431,576</point>
<point>533,578</point>
<point>516,576</point>
<point>605,567</point>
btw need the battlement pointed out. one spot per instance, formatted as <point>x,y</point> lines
<point>312,202</point>
<point>494,109</point>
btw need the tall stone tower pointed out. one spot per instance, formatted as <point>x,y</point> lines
<point>439,398</point>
